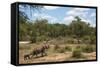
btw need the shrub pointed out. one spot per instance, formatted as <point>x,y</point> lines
<point>70,41</point>
<point>68,48</point>
<point>56,47</point>
<point>93,40</point>
<point>89,48</point>
<point>41,38</point>
<point>89,39</point>
<point>33,40</point>
<point>86,39</point>
<point>61,50</point>
<point>77,53</point>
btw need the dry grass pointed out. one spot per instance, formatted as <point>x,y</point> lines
<point>52,55</point>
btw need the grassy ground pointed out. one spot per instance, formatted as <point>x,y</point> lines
<point>57,53</point>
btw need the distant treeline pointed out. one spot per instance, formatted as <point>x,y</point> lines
<point>41,30</point>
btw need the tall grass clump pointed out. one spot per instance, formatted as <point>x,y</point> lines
<point>77,53</point>
<point>59,49</point>
<point>89,48</point>
<point>68,48</point>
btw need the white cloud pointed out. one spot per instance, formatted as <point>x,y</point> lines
<point>70,12</point>
<point>51,7</point>
<point>85,20</point>
<point>93,25</point>
<point>50,18</point>
<point>89,21</point>
<point>93,14</point>
<point>45,16</point>
<point>68,19</point>
<point>36,14</point>
<point>81,12</point>
<point>77,11</point>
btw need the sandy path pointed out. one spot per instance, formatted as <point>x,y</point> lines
<point>49,58</point>
<point>56,57</point>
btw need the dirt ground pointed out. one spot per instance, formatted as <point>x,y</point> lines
<point>55,57</point>
<point>51,55</point>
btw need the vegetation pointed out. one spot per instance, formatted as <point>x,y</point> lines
<point>56,47</point>
<point>41,30</point>
<point>89,48</point>
<point>68,48</point>
<point>72,41</point>
<point>77,53</point>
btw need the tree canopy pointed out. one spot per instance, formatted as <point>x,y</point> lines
<point>41,29</point>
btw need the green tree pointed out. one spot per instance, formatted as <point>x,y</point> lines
<point>79,28</point>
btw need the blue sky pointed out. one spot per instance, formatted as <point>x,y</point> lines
<point>64,15</point>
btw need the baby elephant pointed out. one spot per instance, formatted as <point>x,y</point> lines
<point>27,56</point>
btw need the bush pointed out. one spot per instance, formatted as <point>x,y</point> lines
<point>68,48</point>
<point>77,53</point>
<point>41,38</point>
<point>56,47</point>
<point>61,50</point>
<point>70,41</point>
<point>93,40</point>
<point>89,39</point>
<point>86,39</point>
<point>89,48</point>
<point>33,40</point>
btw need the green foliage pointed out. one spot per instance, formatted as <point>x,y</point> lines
<point>41,38</point>
<point>93,40</point>
<point>41,30</point>
<point>77,53</point>
<point>70,41</point>
<point>89,48</point>
<point>59,49</point>
<point>89,39</point>
<point>86,39</point>
<point>80,28</point>
<point>56,47</point>
<point>68,48</point>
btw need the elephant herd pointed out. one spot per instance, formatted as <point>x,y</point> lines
<point>41,50</point>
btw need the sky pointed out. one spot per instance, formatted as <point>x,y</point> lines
<point>63,15</point>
